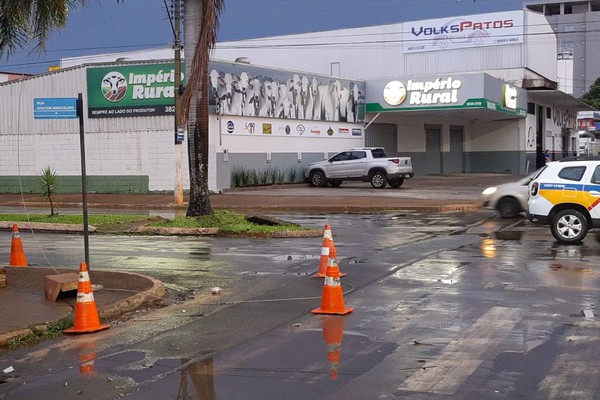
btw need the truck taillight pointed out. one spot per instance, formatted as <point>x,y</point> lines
<point>534,188</point>
<point>395,160</point>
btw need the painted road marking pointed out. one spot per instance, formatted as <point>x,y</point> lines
<point>572,377</point>
<point>462,356</point>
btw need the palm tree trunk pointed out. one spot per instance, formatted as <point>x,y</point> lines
<point>201,22</point>
<point>198,154</point>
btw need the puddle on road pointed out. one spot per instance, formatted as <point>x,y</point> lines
<point>488,248</point>
<point>295,257</point>
<point>508,235</point>
<point>315,359</point>
<point>575,251</point>
<point>131,364</point>
<point>432,270</point>
<point>273,273</point>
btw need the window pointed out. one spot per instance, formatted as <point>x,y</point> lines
<point>378,153</point>
<point>531,108</point>
<point>548,113</point>
<point>596,177</point>
<point>345,156</point>
<point>358,155</point>
<point>572,173</point>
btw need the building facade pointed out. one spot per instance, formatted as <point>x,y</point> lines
<point>259,127</point>
<point>471,94</point>
<point>518,48</point>
<point>9,76</point>
<point>576,24</point>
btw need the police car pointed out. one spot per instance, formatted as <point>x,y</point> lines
<point>565,194</point>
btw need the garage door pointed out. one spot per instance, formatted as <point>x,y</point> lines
<point>454,162</point>
<point>433,155</point>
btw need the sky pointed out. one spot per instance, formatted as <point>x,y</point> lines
<point>105,26</point>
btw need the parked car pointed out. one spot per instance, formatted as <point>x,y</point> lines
<point>566,196</point>
<point>509,199</point>
<point>368,164</point>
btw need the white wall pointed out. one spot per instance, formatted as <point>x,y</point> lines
<point>565,75</point>
<point>278,141</point>
<point>541,46</point>
<point>114,146</point>
<point>497,135</point>
<point>315,52</point>
<point>355,49</point>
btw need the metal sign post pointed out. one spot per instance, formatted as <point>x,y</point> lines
<point>69,108</point>
<point>86,233</point>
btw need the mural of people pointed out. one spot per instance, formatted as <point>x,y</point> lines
<point>254,92</point>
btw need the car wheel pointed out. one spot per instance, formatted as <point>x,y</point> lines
<point>508,207</point>
<point>395,183</point>
<point>317,178</point>
<point>378,180</point>
<point>569,226</point>
<point>335,183</point>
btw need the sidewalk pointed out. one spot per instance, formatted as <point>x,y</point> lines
<point>431,193</point>
<point>23,302</point>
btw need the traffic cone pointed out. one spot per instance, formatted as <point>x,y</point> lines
<point>327,251</point>
<point>17,255</point>
<point>333,297</point>
<point>86,313</point>
<point>333,332</point>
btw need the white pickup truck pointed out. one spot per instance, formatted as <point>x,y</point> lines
<point>367,164</point>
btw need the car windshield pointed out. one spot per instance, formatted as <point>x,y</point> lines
<point>539,171</point>
<point>378,153</point>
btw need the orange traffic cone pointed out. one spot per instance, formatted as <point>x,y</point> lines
<point>17,255</point>
<point>333,332</point>
<point>327,251</point>
<point>86,313</point>
<point>333,297</point>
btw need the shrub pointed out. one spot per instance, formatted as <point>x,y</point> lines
<point>48,181</point>
<point>263,176</point>
<point>236,176</point>
<point>295,174</point>
<point>278,176</point>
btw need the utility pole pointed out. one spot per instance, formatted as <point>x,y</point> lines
<point>179,131</point>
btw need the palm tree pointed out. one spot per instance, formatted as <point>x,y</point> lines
<point>22,21</point>
<point>31,20</point>
<point>202,22</point>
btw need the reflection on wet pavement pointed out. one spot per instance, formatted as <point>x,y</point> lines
<point>502,312</point>
<point>309,363</point>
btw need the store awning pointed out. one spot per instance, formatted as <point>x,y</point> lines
<point>481,112</point>
<point>559,98</point>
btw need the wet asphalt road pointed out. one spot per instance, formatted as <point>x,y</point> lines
<point>442,310</point>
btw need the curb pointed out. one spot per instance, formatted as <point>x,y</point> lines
<point>353,209</point>
<point>155,230</point>
<point>157,291</point>
<point>109,311</point>
<point>47,227</point>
